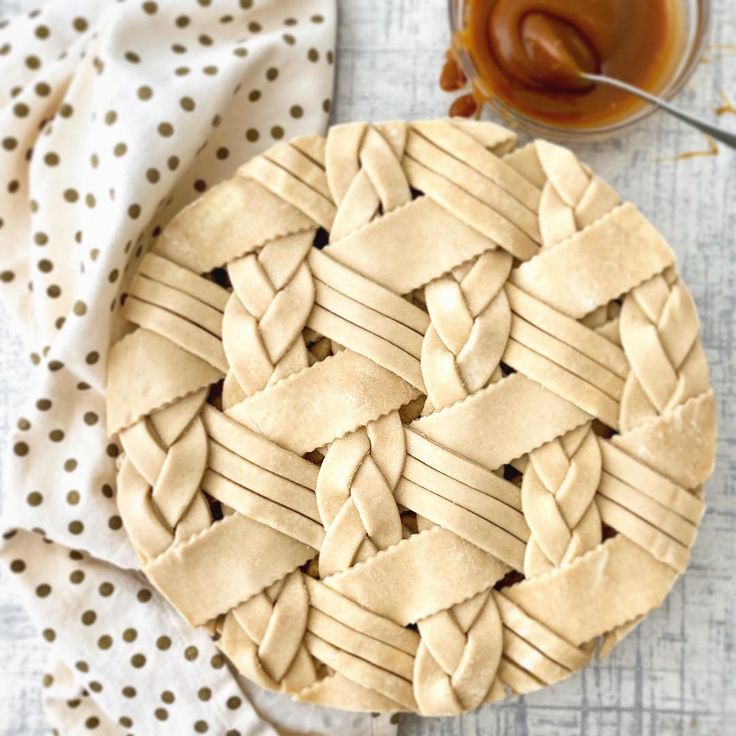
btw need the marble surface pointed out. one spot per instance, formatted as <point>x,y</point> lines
<point>676,674</point>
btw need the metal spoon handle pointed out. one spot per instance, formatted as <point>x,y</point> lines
<point>712,130</point>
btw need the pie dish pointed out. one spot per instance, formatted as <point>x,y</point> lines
<point>412,419</point>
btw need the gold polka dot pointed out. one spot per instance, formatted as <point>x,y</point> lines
<point>80,25</point>
<point>34,498</point>
<point>204,694</point>
<point>92,357</point>
<point>254,27</point>
<point>210,70</point>
<point>173,163</point>
<point>47,680</point>
<point>75,527</point>
<point>55,365</point>
<point>10,144</point>
<point>51,159</point>
<point>82,666</point>
<point>168,697</point>
<point>132,57</point>
<point>20,449</point>
<point>7,276</point>
<point>42,32</point>
<point>134,211</point>
<point>72,498</point>
<point>246,4</point>
<point>138,660</point>
<point>17,566</point>
<point>76,577</point>
<point>296,111</point>
<point>56,435</point>
<point>252,135</point>
<point>89,617</point>
<point>144,92</point>
<point>187,104</point>
<point>254,95</point>
<point>277,132</point>
<point>178,48</point>
<point>130,635</point>
<point>289,39</point>
<point>182,71</point>
<point>326,105</point>
<point>150,8</point>
<point>201,726</point>
<point>106,589</point>
<point>80,308</point>
<point>182,21</point>
<point>222,153</point>
<point>191,653</point>
<point>144,595</point>
<point>70,465</point>
<point>21,110</point>
<point>95,687</point>
<point>43,590</point>
<point>54,291</point>
<point>33,62</point>
<point>313,55</point>
<point>205,40</point>
<point>161,714</point>
<point>240,51</point>
<point>42,89</point>
<point>234,702</point>
<point>200,185</point>
<point>92,722</point>
<point>272,73</point>
<point>129,692</point>
<point>125,722</point>
<point>165,129</point>
<point>163,643</point>
<point>71,195</point>
<point>317,19</point>
<point>115,522</point>
<point>49,635</point>
<point>120,149</point>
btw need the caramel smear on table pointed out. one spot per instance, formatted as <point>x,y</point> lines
<point>712,150</point>
<point>727,108</point>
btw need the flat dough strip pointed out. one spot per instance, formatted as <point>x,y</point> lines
<point>131,388</point>
<point>426,573</point>
<point>228,221</point>
<point>502,422</point>
<point>593,594</point>
<point>205,577</point>
<point>332,398</point>
<point>403,251</point>
<point>604,261</point>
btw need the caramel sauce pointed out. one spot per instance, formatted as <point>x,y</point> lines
<point>529,53</point>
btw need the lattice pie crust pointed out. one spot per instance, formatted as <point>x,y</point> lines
<point>411,419</point>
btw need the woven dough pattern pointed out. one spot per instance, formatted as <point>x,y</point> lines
<point>403,408</point>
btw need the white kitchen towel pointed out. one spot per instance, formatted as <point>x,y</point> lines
<point>113,115</point>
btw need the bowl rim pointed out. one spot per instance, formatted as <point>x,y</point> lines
<point>694,45</point>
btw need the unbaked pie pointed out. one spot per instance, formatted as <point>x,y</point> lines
<point>411,419</point>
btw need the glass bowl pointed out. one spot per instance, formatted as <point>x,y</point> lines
<point>695,18</point>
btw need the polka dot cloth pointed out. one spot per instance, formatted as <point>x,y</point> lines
<point>114,115</point>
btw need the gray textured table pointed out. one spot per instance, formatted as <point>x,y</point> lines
<point>676,674</point>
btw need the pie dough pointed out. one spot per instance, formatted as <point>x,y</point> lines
<point>411,418</point>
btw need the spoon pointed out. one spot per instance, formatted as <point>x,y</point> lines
<point>714,131</point>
